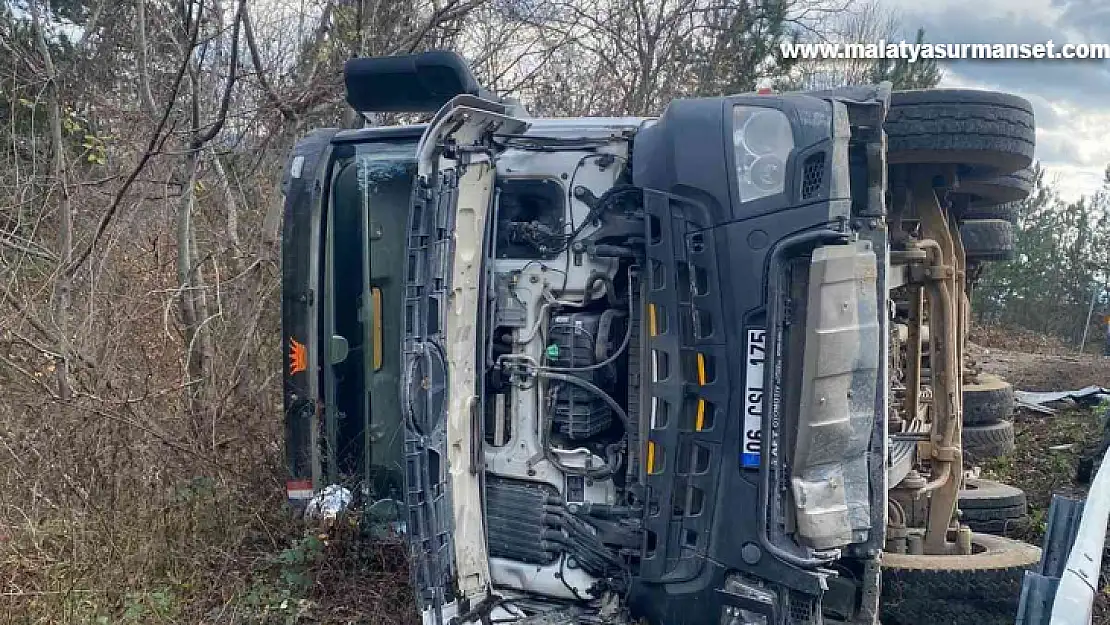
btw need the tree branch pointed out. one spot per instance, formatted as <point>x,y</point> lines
<point>151,149</point>
<point>225,101</point>
<point>256,60</point>
<point>25,246</point>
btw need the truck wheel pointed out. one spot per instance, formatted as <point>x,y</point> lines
<point>991,518</point>
<point>992,507</point>
<point>1012,187</point>
<point>982,588</point>
<point>981,442</point>
<point>1009,527</point>
<point>987,239</point>
<point>980,494</point>
<point>989,400</point>
<point>1006,212</point>
<point>987,133</point>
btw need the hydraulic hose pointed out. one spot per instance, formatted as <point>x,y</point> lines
<point>591,387</point>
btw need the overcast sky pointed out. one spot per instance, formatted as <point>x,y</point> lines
<point>1071,98</point>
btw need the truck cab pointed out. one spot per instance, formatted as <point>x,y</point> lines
<point>605,370</point>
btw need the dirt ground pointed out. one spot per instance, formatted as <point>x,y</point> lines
<point>1033,362</point>
<point>1048,446</point>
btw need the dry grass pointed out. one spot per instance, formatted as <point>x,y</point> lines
<point>148,499</point>
<point>1018,340</point>
<point>1042,471</point>
<point>116,528</point>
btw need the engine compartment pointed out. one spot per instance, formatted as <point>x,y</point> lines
<point>593,321</point>
<point>561,419</point>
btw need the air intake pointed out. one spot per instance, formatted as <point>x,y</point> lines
<point>813,174</point>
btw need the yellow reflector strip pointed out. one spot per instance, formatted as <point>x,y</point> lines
<point>701,369</point>
<point>376,327</point>
<point>700,422</point>
<point>651,319</point>
<point>651,458</point>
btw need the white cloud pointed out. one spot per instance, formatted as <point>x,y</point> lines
<point>986,8</point>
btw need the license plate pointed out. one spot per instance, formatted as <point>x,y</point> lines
<point>754,356</point>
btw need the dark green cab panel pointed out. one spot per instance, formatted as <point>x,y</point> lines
<point>370,196</point>
<point>347,197</point>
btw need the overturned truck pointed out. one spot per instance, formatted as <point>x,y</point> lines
<point>702,368</point>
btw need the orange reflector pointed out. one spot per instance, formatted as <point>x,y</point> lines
<point>701,369</point>
<point>298,357</point>
<point>700,422</point>
<point>651,319</point>
<point>376,328</point>
<point>651,458</point>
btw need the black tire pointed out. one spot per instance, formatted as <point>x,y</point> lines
<point>980,494</point>
<point>981,442</point>
<point>991,507</point>
<point>987,239</point>
<point>986,132</point>
<point>989,400</point>
<point>992,514</point>
<point>1006,212</point>
<point>998,521</point>
<point>982,588</point>
<point>987,192</point>
<point>1017,526</point>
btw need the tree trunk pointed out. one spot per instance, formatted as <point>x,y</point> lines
<point>146,96</point>
<point>62,282</point>
<point>200,302</point>
<point>189,319</point>
<point>234,244</point>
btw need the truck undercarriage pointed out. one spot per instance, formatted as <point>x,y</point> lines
<point>703,368</point>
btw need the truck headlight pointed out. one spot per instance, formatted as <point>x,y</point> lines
<point>762,140</point>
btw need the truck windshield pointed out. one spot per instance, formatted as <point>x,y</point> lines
<point>370,194</point>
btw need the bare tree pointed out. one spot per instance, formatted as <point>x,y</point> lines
<point>869,22</point>
<point>634,56</point>
<point>195,310</point>
<point>64,253</point>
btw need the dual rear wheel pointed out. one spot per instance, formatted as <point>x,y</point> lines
<point>982,588</point>
<point>988,140</point>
